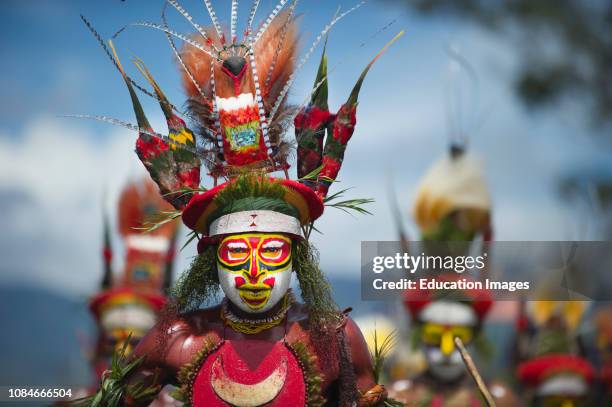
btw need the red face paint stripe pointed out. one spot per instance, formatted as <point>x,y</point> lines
<point>240,281</point>
<point>270,282</point>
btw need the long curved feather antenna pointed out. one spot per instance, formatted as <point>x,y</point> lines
<point>305,58</point>
<point>269,20</point>
<point>177,35</point>
<point>459,133</point>
<point>177,128</point>
<point>352,100</point>
<point>126,125</point>
<point>215,21</point>
<point>343,128</point>
<point>141,118</point>
<point>252,17</point>
<point>120,123</point>
<point>180,58</point>
<point>118,32</point>
<point>189,18</point>
<point>140,65</point>
<point>281,42</point>
<point>110,56</point>
<point>331,70</point>
<point>135,128</point>
<point>308,97</point>
<point>234,20</point>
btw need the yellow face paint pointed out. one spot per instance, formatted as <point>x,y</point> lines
<point>444,336</point>
<point>447,346</point>
<point>563,401</point>
<point>116,339</point>
<point>253,265</point>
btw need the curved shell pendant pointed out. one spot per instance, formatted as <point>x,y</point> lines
<point>250,374</point>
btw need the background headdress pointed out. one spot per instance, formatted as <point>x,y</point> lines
<point>557,374</point>
<point>452,200</point>
<point>454,185</point>
<point>553,363</point>
<point>148,256</point>
<point>129,303</point>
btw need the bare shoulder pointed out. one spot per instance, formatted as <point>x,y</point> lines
<point>354,334</point>
<point>166,343</point>
<point>298,312</point>
<point>200,321</point>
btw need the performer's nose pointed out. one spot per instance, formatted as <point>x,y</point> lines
<point>447,346</point>
<point>234,65</point>
<point>254,270</point>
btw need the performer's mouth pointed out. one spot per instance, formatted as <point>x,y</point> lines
<point>255,303</point>
<point>255,296</point>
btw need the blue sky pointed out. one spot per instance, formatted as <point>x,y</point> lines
<point>55,171</point>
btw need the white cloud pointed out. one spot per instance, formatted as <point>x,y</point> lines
<point>57,171</point>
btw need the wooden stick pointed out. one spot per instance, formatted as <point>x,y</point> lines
<point>471,367</point>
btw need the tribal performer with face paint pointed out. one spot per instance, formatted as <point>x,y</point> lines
<point>128,303</point>
<point>452,206</point>
<point>554,369</point>
<point>437,319</point>
<point>259,347</point>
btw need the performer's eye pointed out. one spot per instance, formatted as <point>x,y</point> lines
<point>271,250</point>
<point>238,250</point>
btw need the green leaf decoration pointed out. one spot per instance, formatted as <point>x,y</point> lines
<point>113,386</point>
<point>192,236</point>
<point>185,191</point>
<point>354,205</point>
<point>312,175</point>
<point>393,403</point>
<point>381,351</point>
<point>159,219</point>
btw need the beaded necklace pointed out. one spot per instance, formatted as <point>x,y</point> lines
<point>254,326</point>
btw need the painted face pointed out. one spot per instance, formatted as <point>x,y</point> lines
<point>255,269</point>
<point>443,359</point>
<point>125,321</point>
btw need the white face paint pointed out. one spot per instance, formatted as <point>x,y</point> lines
<point>128,317</point>
<point>442,322</point>
<point>446,368</point>
<point>255,269</point>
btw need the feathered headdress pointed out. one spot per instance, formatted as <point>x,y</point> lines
<point>557,374</point>
<point>149,256</point>
<point>454,186</point>
<point>237,90</point>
